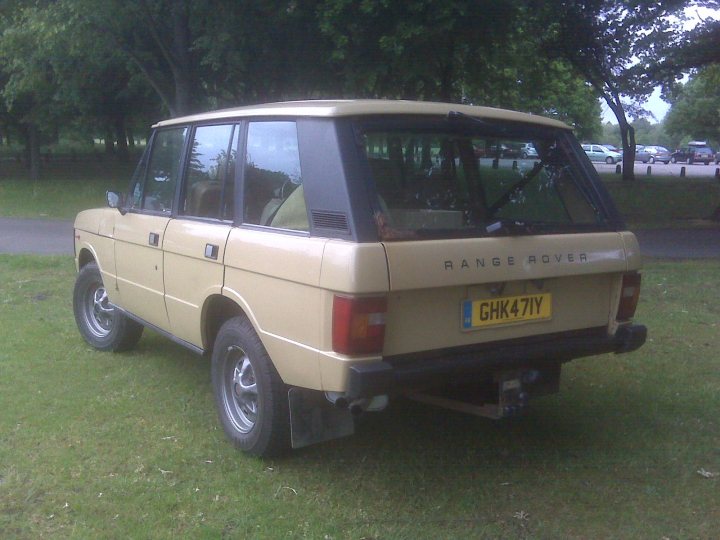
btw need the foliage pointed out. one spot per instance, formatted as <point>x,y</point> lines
<point>615,46</point>
<point>109,66</point>
<point>646,133</point>
<point>695,112</point>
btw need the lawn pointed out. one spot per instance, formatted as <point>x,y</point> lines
<point>665,201</point>
<point>127,446</point>
<point>66,188</point>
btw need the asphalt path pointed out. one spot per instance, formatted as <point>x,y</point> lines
<point>36,236</point>
<point>54,237</point>
<point>694,171</point>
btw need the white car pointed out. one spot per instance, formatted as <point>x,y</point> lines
<point>598,152</point>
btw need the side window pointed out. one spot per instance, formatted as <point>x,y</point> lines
<point>154,185</point>
<point>274,194</point>
<point>208,173</point>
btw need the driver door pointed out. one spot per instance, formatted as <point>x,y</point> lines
<point>140,233</point>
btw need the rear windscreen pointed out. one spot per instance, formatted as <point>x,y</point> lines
<point>470,178</point>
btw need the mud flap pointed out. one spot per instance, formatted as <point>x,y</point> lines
<point>313,419</point>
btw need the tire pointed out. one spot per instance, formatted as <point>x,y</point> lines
<point>251,399</point>
<point>100,323</point>
<point>609,160</point>
<point>651,160</point>
<point>673,160</point>
<point>523,155</point>
<point>690,161</point>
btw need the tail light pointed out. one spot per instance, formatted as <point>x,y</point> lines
<point>358,324</point>
<point>629,296</point>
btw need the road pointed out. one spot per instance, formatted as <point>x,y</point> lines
<point>36,236</point>
<point>696,170</point>
<point>53,237</point>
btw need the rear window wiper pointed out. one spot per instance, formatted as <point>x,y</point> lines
<point>515,189</point>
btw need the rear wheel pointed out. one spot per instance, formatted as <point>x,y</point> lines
<point>609,160</point>
<point>673,160</point>
<point>101,324</point>
<point>251,399</point>
<point>651,160</point>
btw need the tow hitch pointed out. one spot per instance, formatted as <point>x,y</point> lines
<point>506,395</point>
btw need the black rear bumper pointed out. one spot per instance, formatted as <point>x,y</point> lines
<point>414,372</point>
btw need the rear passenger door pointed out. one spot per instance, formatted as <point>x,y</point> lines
<point>195,241</point>
<point>140,233</point>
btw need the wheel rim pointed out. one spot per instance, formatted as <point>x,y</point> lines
<point>240,393</point>
<point>98,311</point>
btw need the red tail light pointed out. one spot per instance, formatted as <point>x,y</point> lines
<point>358,324</point>
<point>629,296</point>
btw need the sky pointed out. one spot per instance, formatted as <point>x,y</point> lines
<point>655,103</point>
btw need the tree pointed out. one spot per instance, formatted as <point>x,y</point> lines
<point>615,46</point>
<point>29,81</point>
<point>695,111</point>
<point>427,49</point>
<point>157,36</point>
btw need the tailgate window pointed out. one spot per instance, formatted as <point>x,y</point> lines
<point>470,178</point>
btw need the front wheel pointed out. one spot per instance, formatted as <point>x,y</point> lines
<point>673,160</point>
<point>251,399</point>
<point>101,324</point>
<point>651,160</point>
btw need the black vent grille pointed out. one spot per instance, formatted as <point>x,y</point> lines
<point>335,221</point>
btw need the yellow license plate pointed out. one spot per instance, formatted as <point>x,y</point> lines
<point>507,309</point>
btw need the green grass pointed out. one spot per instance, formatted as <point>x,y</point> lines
<point>127,445</point>
<point>665,201</point>
<point>65,188</point>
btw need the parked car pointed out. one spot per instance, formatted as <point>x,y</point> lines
<point>494,150</point>
<point>651,154</point>
<point>717,158</point>
<point>528,150</point>
<point>330,256</point>
<point>693,154</point>
<point>598,152</point>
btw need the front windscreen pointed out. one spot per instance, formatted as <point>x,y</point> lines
<point>466,177</point>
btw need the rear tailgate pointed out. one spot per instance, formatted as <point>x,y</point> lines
<point>447,293</point>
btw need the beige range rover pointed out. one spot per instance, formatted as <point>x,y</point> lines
<point>329,256</point>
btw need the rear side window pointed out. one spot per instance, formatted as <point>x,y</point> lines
<point>153,187</point>
<point>452,183</point>
<point>209,173</point>
<point>274,195</point>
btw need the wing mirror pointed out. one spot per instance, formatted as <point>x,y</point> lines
<point>116,200</point>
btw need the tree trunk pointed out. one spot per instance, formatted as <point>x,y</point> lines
<point>121,137</point>
<point>715,216</point>
<point>130,138</point>
<point>33,151</point>
<point>627,134</point>
<point>182,68</point>
<point>109,142</point>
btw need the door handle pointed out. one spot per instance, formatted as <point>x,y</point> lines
<point>154,239</point>
<point>211,251</point>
